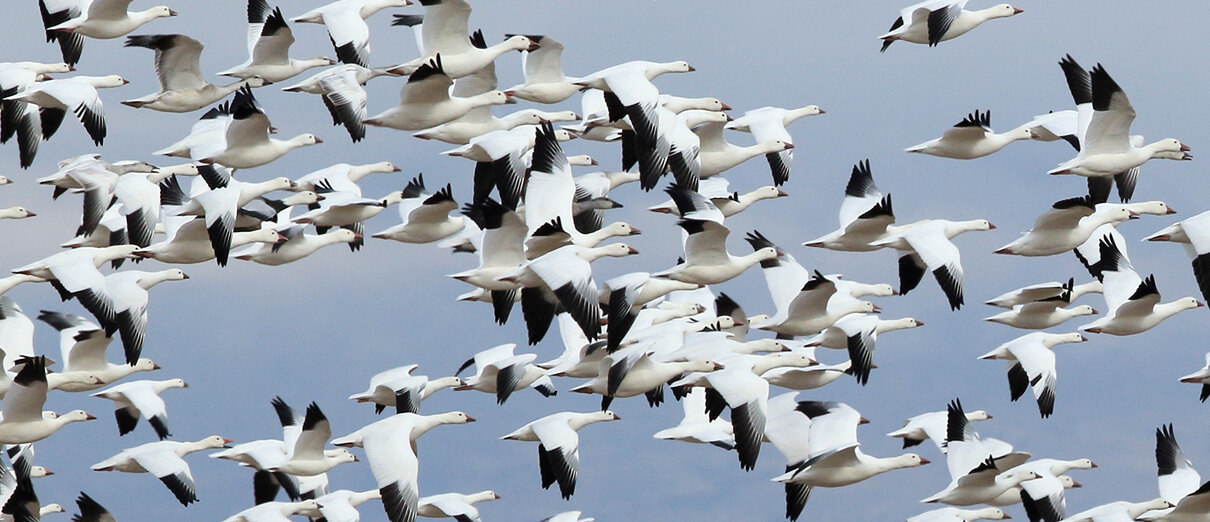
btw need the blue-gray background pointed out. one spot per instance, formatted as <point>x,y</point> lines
<point>318,328</point>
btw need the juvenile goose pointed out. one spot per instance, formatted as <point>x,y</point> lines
<point>1031,364</point>
<point>69,21</point>
<point>164,460</point>
<point>141,398</point>
<point>559,445</point>
<point>269,41</point>
<point>972,138</point>
<point>178,67</point>
<point>935,21</point>
<point>1133,303</point>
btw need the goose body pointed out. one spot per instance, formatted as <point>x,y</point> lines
<point>935,21</point>
<point>972,138</point>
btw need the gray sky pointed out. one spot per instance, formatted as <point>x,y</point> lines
<point>317,329</point>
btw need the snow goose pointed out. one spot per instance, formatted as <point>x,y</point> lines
<point>1041,315</point>
<point>24,421</point>
<point>425,216</point>
<point>425,100</point>
<point>297,247</point>
<point>420,425</point>
<point>629,86</point>
<point>836,458</point>
<point>16,213</point>
<point>392,458</point>
<point>562,277</point>
<point>1180,485</point>
<point>1043,497</point>
<point>1133,302</point>
<point>341,505</point>
<point>858,333</point>
<point>865,215</point>
<point>274,511</point>
<point>1194,233</point>
<point>729,203</point>
<point>245,141</point>
<point>188,242</point>
<point>177,65</point>
<point>696,427</point>
<point>977,466</point>
<point>388,388</point>
<point>502,250</point>
<point>972,138</point>
<point>480,121</point>
<point>83,346</point>
<point>1069,223</point>
<point>718,155</point>
<point>952,514</point>
<point>632,371</point>
<point>1031,364</point>
<point>346,99</point>
<point>269,41</point>
<point>788,429</point>
<point>935,21</point>
<point>1043,291</point>
<point>931,426</point>
<point>500,372</point>
<point>307,457</point>
<point>926,246</point>
<point>259,454</point>
<point>312,84</point>
<point>1201,377</point>
<point>347,29</point>
<point>816,307</point>
<point>624,297</point>
<point>806,378</point>
<point>20,120</point>
<point>8,283</point>
<point>69,21</point>
<point>769,124</point>
<point>127,295</point>
<point>78,95</point>
<point>98,185</point>
<point>91,510</point>
<point>707,261</point>
<point>1120,510</point>
<point>545,82</point>
<point>343,176</point>
<point>74,274</point>
<point>345,209</point>
<point>1106,149</point>
<point>457,506</point>
<point>445,33</point>
<point>559,445</point>
<point>141,398</point>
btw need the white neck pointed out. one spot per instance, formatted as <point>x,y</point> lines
<point>434,385</point>
<point>152,279</point>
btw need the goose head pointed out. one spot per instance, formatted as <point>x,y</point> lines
<point>1082,464</point>
<point>517,42</point>
<point>16,213</point>
<point>49,68</point>
<point>341,456</point>
<point>1001,11</point>
<point>211,442</point>
<point>1151,208</point>
<point>104,82</point>
<point>482,496</point>
<point>1110,213</point>
<point>1184,303</point>
<point>1017,477</point>
<point>976,225</point>
<point>696,117</point>
<point>622,228</point>
<point>172,383</point>
<point>51,508</point>
<point>39,472</point>
<point>990,513</point>
<point>306,197</point>
<point>357,172</point>
<point>74,416</point>
<point>263,235</point>
<point>764,254</point>
<point>678,104</point>
<point>144,365</point>
<point>454,417</point>
<point>490,98</point>
<point>909,460</point>
<point>173,274</point>
<point>303,140</point>
<point>159,11</point>
<point>978,415</point>
<point>1076,311</point>
<point>613,250</point>
<point>116,252</point>
<point>774,146</point>
<point>5,181</point>
<point>581,160</point>
<point>901,324</point>
<point>679,66</point>
<point>1068,482</point>
<point>1169,148</point>
<point>556,116</point>
<point>809,110</point>
<point>1052,340</point>
<point>343,235</point>
<point>875,290</point>
<point>765,345</point>
<point>767,192</point>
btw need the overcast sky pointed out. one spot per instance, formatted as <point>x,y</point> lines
<point>317,329</point>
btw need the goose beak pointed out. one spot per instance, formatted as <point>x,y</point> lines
<point>1171,211</point>
<point>533,46</point>
<point>317,140</point>
<point>821,111</point>
<point>877,308</point>
<point>991,226</point>
<point>1185,148</point>
<point>1134,215</point>
<point>632,251</point>
<point>49,473</point>
<point>725,106</point>
<point>1075,484</point>
<point>863,420</point>
<point>718,366</point>
<point>89,416</point>
<point>1094,464</point>
<point>634,231</point>
<point>470,419</point>
<point>782,194</point>
<point>30,214</point>
<point>1200,304</point>
<point>924,461</point>
<point>1095,312</point>
<point>185,276</point>
<point>1018,11</point>
<point>692,68</point>
<point>789,146</point>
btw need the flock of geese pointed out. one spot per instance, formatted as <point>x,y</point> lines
<point>669,333</point>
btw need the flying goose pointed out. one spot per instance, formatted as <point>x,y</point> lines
<point>1133,302</point>
<point>925,245</point>
<point>1031,364</point>
<point>177,66</point>
<point>69,21</point>
<point>972,138</point>
<point>559,445</point>
<point>769,124</point>
<point>347,29</point>
<point>865,215</point>
<point>77,94</point>
<point>934,21</point>
<point>545,82</point>
<point>425,100</point>
<point>269,41</point>
<point>141,398</point>
<point>444,32</point>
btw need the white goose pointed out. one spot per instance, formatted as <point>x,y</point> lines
<point>1179,483</point>
<point>696,427</point>
<point>972,138</point>
<point>926,246</point>
<point>240,142</point>
<point>347,29</point>
<point>312,84</point>
<point>729,203</point>
<point>341,505</point>
<point>707,261</point>
<point>297,247</point>
<point>977,466</point>
<point>24,421</point>
<point>457,506</point>
<point>307,457</point>
<point>1106,149</point>
<point>425,100</point>
<point>16,213</point>
<point>1201,377</point>
<point>274,511</point>
<point>836,458</point>
<point>141,398</point>
<point>69,21</point>
<point>1120,510</point>
<point>1040,315</point>
<point>858,333</point>
<point>632,371</point>
<point>1031,364</point>
<point>399,388</point>
<point>931,426</point>
<point>426,217</point>
<point>1068,224</point>
<point>500,372</point>
<point>718,155</point>
<point>865,215</point>
<point>1133,302</point>
<point>1194,234</point>
<point>934,21</point>
<point>559,445</point>
<point>127,293</point>
<point>545,82</point>
<point>164,460</point>
<point>83,345</point>
<point>445,33</point>
<point>178,67</point>
<point>952,514</point>
<point>1043,291</point>
<point>769,123</point>
<point>77,95</point>
<point>188,241</point>
<point>23,121</point>
<point>816,307</point>
<point>269,41</point>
